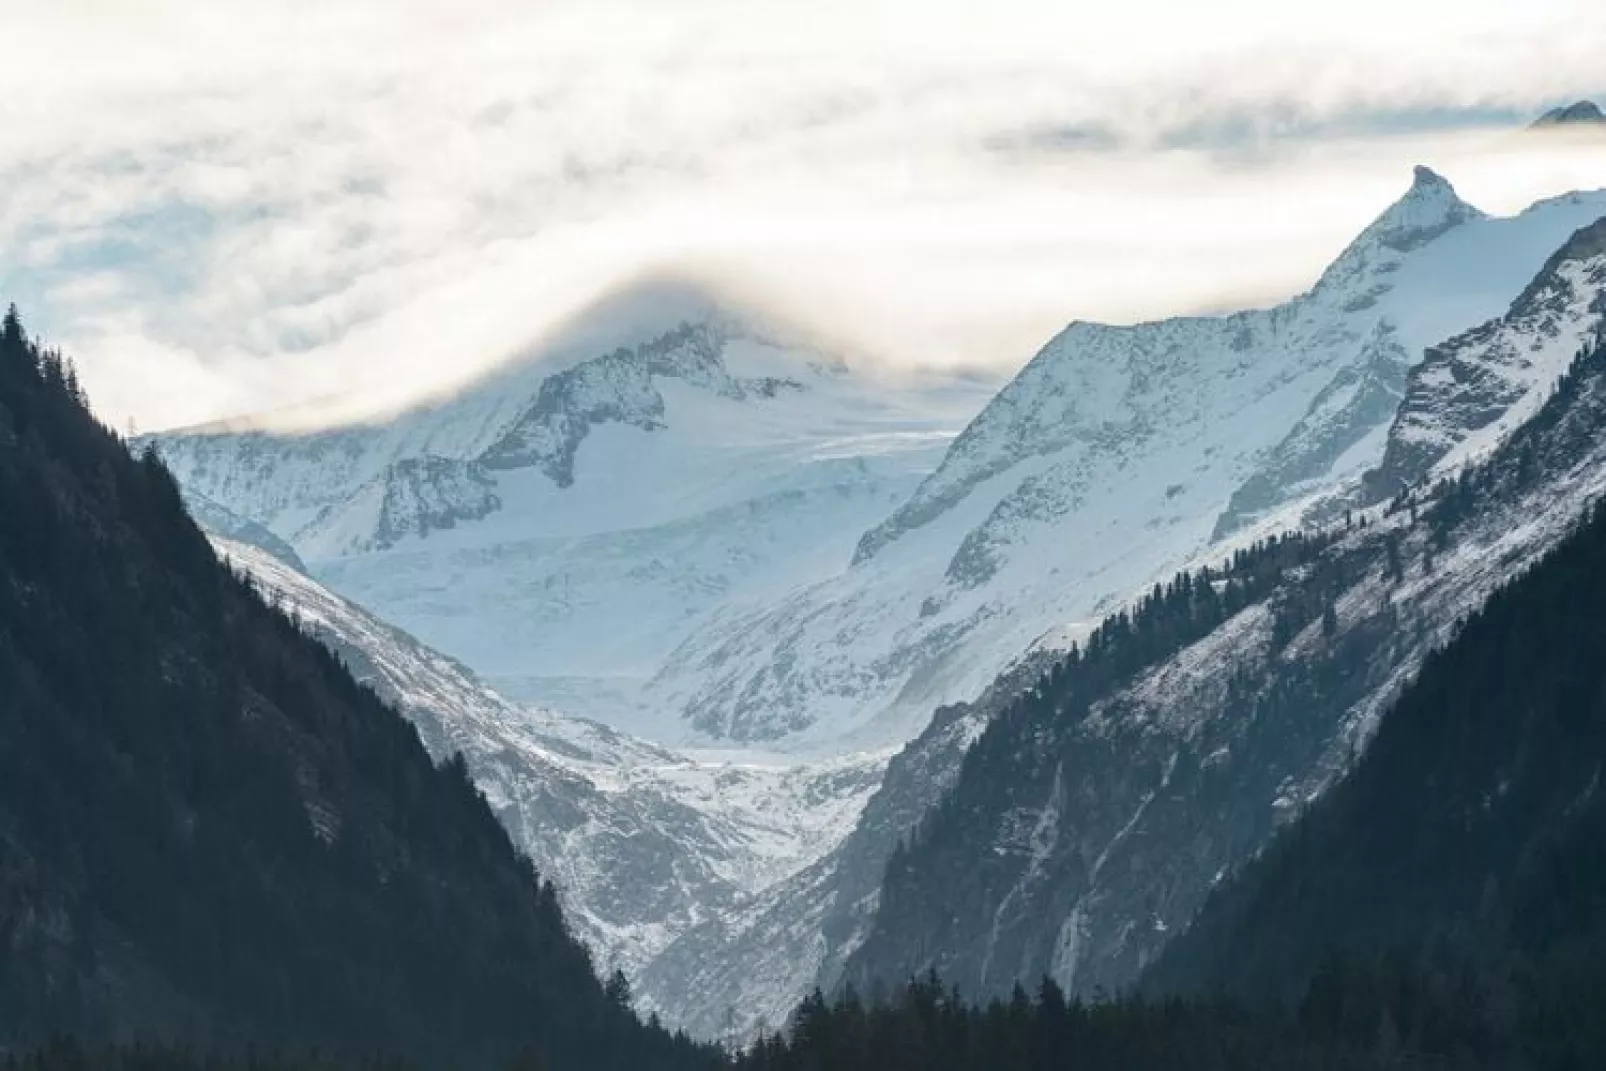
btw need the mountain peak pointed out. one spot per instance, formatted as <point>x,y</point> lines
<point>1424,177</point>
<point>1583,111</point>
<point>1428,209</point>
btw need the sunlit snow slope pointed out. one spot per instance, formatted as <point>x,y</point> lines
<point>1115,455</point>
<point>683,527</point>
<point>564,525</point>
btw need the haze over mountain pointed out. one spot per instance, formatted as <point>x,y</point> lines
<point>565,525</point>
<point>1583,112</point>
<point>713,535</point>
<point>749,543</point>
<point>254,205</point>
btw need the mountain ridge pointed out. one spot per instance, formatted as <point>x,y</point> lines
<point>1155,438</point>
<point>1086,827</point>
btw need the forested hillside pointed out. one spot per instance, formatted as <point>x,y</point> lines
<point>1475,826</point>
<point>208,830</point>
<point>1444,907</point>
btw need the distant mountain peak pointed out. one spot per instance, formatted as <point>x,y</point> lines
<point>1583,111</point>
<point>643,313</point>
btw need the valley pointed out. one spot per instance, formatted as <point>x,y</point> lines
<point>732,535</point>
<point>700,588</point>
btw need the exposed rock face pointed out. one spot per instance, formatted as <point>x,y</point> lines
<point>619,388</point>
<point>1470,392</point>
<point>414,496</point>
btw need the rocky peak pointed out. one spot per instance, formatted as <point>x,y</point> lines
<point>1427,210</point>
<point>621,388</point>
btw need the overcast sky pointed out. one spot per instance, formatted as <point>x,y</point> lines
<point>224,206</point>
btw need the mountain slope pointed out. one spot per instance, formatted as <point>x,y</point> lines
<point>1044,516</point>
<point>743,971</point>
<point>564,524</point>
<point>1117,454</point>
<point>1089,823</point>
<point>1472,828</point>
<point>642,842</point>
<point>208,828</point>
<point>1469,392</point>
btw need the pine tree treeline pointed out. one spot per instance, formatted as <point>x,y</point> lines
<point>209,830</point>
<point>1383,1014</point>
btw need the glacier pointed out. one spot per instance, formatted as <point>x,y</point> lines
<point>565,524</point>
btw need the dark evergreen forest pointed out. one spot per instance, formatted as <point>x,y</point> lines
<point>208,830</point>
<point>1443,907</point>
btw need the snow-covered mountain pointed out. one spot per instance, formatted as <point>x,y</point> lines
<point>642,841</point>
<point>1471,391</point>
<point>563,525</point>
<point>700,533</point>
<point>706,535</point>
<point>736,974</point>
<point>1115,455</point>
<point>1091,819</point>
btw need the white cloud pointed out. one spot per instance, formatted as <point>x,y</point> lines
<point>226,206</point>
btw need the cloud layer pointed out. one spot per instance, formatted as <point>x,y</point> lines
<point>224,207</point>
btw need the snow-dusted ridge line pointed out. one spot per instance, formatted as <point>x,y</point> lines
<point>1266,711</point>
<point>1465,398</point>
<point>1115,456</point>
<point>563,525</point>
